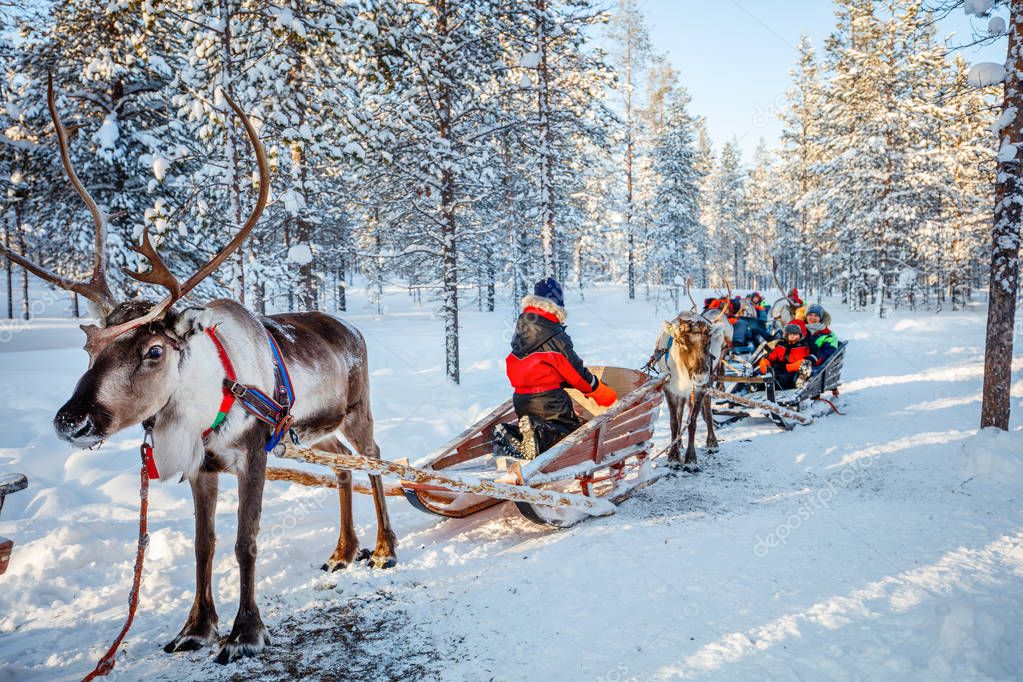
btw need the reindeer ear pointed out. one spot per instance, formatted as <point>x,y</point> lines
<point>191,321</point>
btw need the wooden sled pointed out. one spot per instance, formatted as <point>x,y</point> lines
<point>784,408</point>
<point>9,483</point>
<point>606,458</point>
<point>595,468</point>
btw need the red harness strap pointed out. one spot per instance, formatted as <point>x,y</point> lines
<point>227,401</point>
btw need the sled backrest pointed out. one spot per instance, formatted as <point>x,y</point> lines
<point>622,380</point>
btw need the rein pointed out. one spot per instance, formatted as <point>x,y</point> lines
<point>106,664</point>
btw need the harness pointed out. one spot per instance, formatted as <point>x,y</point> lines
<point>274,411</point>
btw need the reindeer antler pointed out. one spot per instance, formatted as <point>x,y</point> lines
<point>95,288</point>
<point>160,275</point>
<point>689,292</point>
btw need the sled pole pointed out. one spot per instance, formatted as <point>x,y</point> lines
<point>594,506</point>
<point>745,401</point>
<point>311,480</point>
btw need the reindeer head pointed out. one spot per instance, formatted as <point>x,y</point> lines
<point>134,355</point>
<point>690,350</point>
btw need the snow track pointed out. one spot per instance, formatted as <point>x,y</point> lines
<point>885,544</point>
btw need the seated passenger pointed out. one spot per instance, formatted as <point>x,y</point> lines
<point>542,363</point>
<point>823,342</point>
<point>791,360</point>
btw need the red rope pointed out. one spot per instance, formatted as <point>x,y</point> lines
<point>106,664</point>
<point>835,409</point>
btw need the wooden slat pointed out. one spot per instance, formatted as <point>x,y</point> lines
<point>442,457</point>
<point>615,444</point>
<point>5,554</point>
<point>639,421</point>
<point>12,483</point>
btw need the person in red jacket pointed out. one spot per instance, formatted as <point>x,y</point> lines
<point>791,360</point>
<point>542,363</point>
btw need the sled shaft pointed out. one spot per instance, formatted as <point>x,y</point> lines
<point>551,498</point>
<point>774,408</point>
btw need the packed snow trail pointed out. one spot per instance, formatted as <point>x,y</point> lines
<point>885,544</point>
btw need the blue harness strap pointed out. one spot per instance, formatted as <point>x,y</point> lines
<point>275,410</point>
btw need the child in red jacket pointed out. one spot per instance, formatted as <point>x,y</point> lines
<point>791,360</point>
<point>542,363</point>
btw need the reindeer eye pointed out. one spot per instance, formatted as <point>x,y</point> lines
<point>154,353</point>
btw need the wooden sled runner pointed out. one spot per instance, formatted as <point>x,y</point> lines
<point>589,472</point>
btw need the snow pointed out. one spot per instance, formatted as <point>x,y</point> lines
<point>160,165</point>
<point>884,544</point>
<point>996,26</point>
<point>301,254</point>
<point>978,7</point>
<point>106,136</point>
<point>530,60</point>
<point>1007,152</point>
<point>984,74</point>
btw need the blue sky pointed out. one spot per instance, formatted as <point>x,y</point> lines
<point>734,56</point>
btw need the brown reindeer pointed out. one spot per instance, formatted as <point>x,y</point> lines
<point>688,349</point>
<point>152,363</point>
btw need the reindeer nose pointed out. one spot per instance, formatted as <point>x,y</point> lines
<point>74,429</point>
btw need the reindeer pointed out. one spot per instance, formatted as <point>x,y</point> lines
<point>688,349</point>
<point>153,364</point>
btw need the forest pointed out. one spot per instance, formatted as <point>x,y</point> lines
<point>463,149</point>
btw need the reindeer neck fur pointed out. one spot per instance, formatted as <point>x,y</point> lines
<point>177,433</point>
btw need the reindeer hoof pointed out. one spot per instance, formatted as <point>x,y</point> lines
<point>191,641</point>
<point>675,464</point>
<point>383,562</point>
<point>691,467</point>
<point>237,648</point>
<point>342,560</point>
<point>713,447</point>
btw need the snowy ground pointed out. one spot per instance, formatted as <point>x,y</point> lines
<point>885,544</point>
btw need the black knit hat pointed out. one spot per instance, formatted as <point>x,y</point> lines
<point>550,289</point>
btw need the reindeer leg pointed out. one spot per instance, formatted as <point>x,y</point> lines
<point>347,548</point>
<point>248,634</point>
<point>708,417</point>
<point>690,464</point>
<point>358,428</point>
<point>201,627</point>
<point>674,459</point>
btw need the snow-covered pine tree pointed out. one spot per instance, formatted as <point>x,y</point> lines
<point>800,155</point>
<point>444,56</point>
<point>677,231</point>
<point>759,225</point>
<point>629,32</point>
<point>727,255</point>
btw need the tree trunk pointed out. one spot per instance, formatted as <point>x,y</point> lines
<point>548,234</point>
<point>1004,279</point>
<point>9,271</point>
<point>230,148</point>
<point>449,221</point>
<point>23,250</point>
<point>630,236</point>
